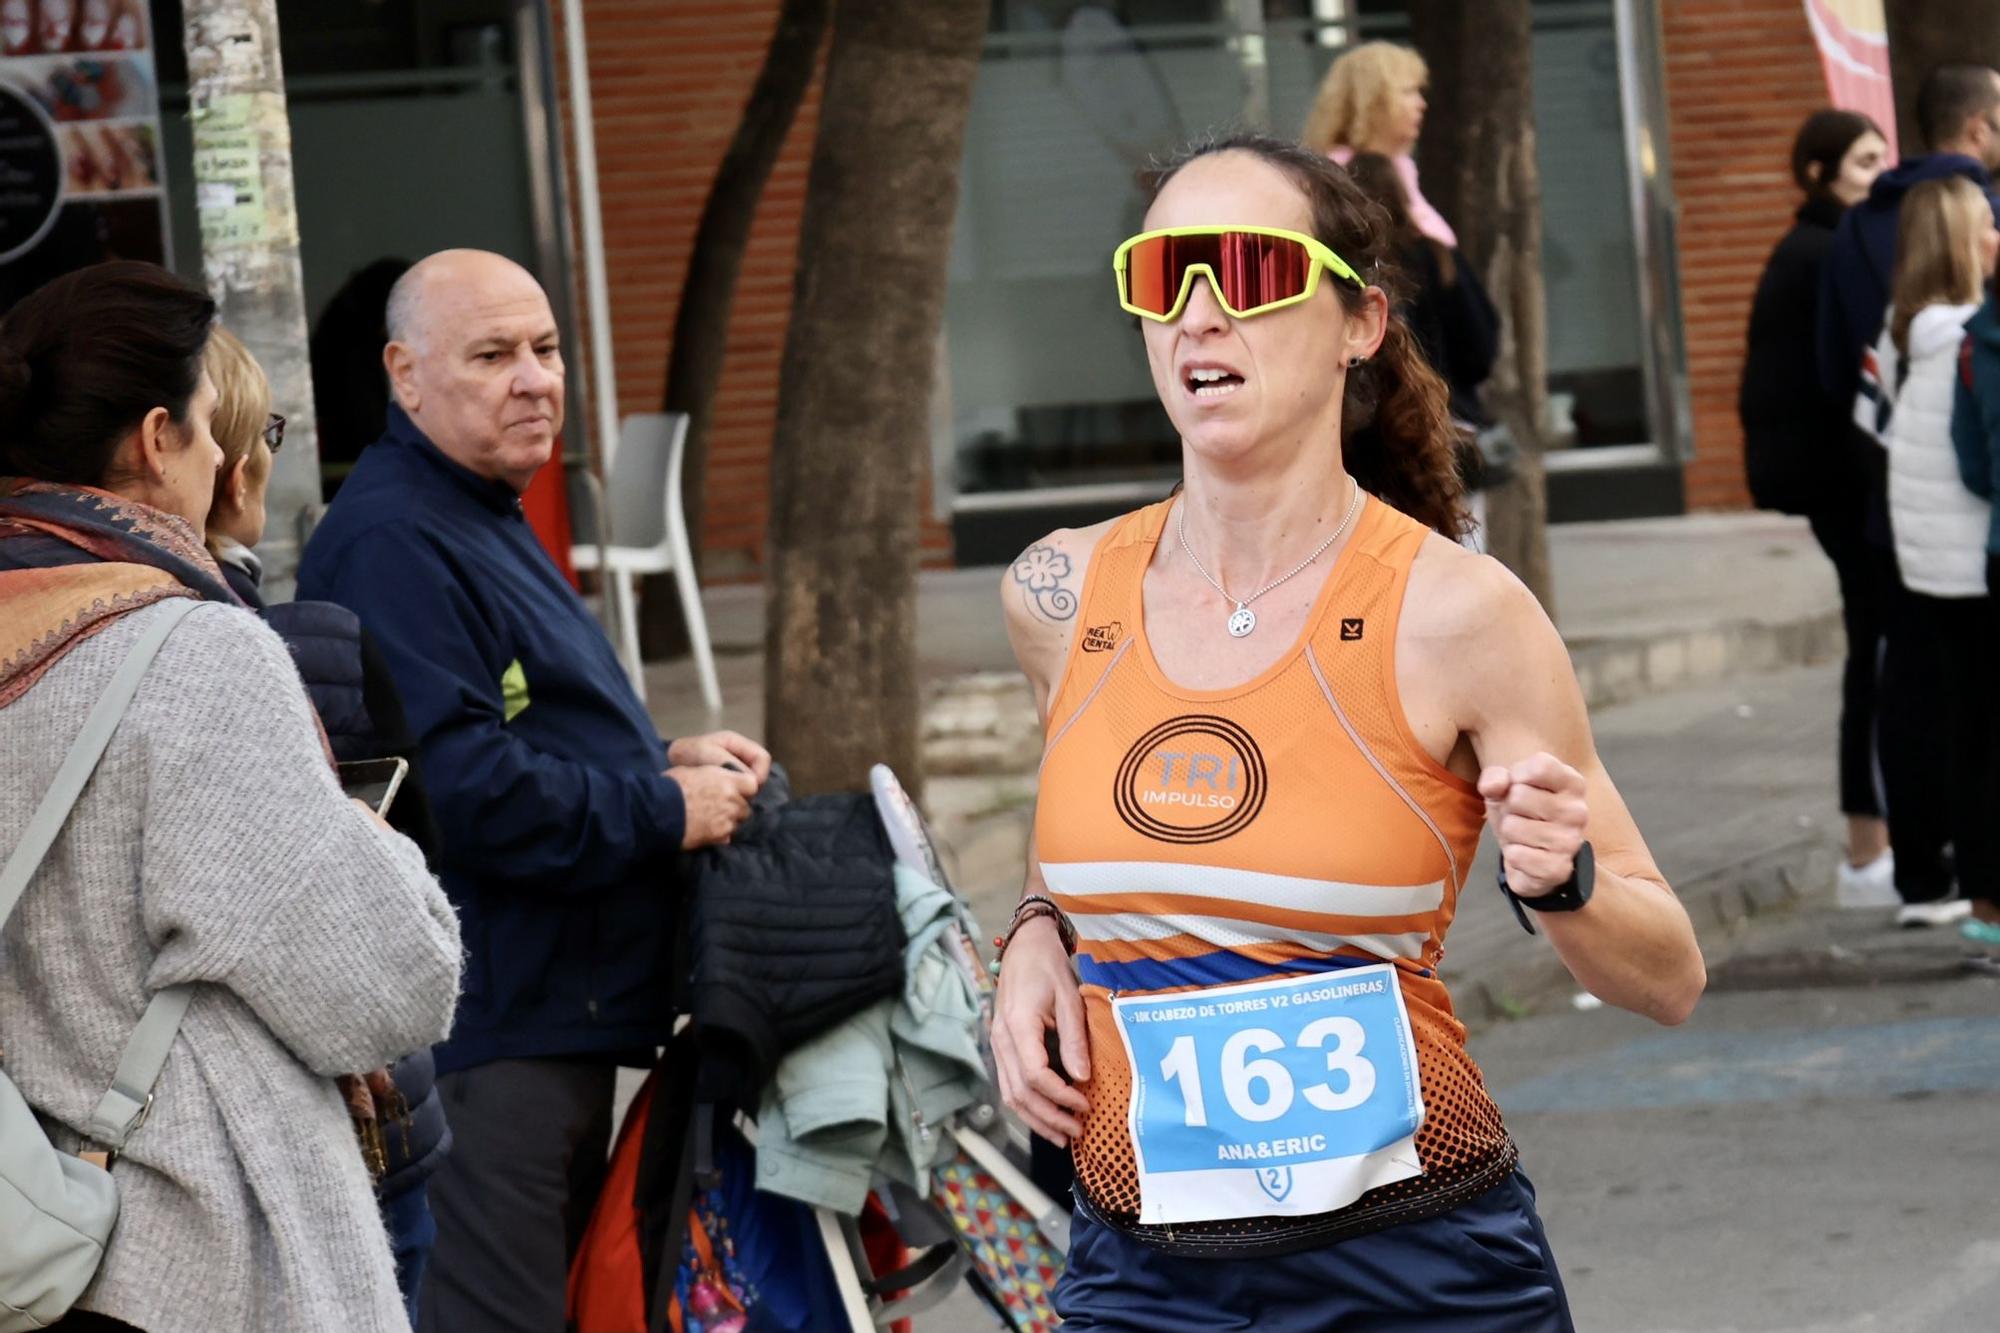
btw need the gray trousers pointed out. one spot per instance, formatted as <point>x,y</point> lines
<point>529,1143</point>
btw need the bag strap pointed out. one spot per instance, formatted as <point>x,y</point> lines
<point>122,1108</point>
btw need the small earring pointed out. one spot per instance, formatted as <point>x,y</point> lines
<point>1356,361</point>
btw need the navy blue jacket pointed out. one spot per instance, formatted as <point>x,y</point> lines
<point>558,829</point>
<point>1854,285</point>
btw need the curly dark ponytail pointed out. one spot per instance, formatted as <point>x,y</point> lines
<point>1396,428</point>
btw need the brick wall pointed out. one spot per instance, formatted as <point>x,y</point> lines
<point>1741,76</point>
<point>668,82</point>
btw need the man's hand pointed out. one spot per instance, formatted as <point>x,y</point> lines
<point>1538,814</point>
<point>724,748</point>
<point>717,801</point>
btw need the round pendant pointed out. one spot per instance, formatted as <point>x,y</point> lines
<point>1242,622</point>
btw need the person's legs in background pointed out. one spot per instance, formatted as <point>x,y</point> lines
<point>1959,628</point>
<point>1911,740</point>
<point>530,1139</point>
<point>1867,879</point>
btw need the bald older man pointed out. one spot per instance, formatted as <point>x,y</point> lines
<point>560,808</point>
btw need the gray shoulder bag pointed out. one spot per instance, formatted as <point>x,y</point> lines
<point>57,1210</point>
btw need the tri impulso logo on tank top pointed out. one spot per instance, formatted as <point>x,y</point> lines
<point>1196,778</point>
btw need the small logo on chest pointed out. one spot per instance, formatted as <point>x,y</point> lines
<point>1193,779</point>
<point>1350,629</point>
<point>1102,638</point>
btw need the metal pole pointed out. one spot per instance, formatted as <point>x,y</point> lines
<point>250,241</point>
<point>597,289</point>
<point>1254,60</point>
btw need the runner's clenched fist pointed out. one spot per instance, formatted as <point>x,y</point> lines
<point>1537,811</point>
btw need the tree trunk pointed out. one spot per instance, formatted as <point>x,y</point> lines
<point>250,241</point>
<point>854,391</point>
<point>1478,153</point>
<point>1924,34</point>
<point>708,293</point>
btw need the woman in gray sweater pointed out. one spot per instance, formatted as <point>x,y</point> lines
<point>213,846</point>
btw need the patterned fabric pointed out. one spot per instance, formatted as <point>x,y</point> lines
<point>73,559</point>
<point>1013,1258</point>
<point>712,1293</point>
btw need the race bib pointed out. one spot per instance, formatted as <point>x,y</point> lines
<point>1289,1097</point>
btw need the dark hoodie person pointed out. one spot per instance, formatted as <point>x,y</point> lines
<point>1958,114</point>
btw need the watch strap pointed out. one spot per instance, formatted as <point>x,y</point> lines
<point>1569,896</point>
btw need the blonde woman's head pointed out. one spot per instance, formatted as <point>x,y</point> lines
<point>1372,100</point>
<point>242,409</point>
<point>1945,244</point>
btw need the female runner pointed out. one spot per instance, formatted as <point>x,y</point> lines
<point>1279,708</point>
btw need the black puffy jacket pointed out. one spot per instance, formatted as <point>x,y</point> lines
<point>792,928</point>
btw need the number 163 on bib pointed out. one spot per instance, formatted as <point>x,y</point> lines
<point>1289,1097</point>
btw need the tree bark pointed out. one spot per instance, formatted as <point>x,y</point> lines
<point>708,292</point>
<point>250,241</point>
<point>1478,154</point>
<point>1924,34</point>
<point>854,390</point>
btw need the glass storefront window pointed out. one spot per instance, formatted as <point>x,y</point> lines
<point>1049,388</point>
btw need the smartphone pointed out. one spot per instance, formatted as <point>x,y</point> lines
<point>374,781</point>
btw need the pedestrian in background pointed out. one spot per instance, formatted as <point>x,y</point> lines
<point>1801,456</point>
<point>1944,255</point>
<point>362,715</point>
<point>1975,432</point>
<point>1372,101</point>
<point>560,808</point>
<point>212,847</point>
<point>1958,116</point>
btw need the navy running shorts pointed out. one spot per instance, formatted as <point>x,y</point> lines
<point>1485,1267</point>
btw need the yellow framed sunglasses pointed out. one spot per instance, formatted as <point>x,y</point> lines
<point>1251,269</point>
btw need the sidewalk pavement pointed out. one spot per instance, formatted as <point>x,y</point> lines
<point>1676,626</point>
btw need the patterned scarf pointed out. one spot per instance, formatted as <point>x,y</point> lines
<point>73,559</point>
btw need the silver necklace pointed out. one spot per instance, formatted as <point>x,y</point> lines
<point>1243,620</point>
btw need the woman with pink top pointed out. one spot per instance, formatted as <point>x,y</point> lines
<point>1372,101</point>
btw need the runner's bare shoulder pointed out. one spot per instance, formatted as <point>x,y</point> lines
<point>1041,593</point>
<point>1470,629</point>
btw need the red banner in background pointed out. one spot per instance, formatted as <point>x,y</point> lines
<point>546,506</point>
<point>1853,40</point>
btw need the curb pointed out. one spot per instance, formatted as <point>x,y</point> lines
<point>1614,670</point>
<point>1722,903</point>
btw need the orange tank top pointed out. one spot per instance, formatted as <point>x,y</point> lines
<point>1289,825</point>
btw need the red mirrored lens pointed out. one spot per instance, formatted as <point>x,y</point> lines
<point>1254,270</point>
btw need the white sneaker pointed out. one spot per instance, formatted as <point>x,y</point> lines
<point>1869,886</point>
<point>1941,912</point>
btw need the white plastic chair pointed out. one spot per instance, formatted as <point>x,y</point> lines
<point>647,534</point>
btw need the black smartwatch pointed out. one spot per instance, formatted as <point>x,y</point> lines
<point>1567,896</point>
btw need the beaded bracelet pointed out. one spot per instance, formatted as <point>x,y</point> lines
<point>1030,907</point>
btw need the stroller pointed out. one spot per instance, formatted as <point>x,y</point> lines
<point>662,1252</point>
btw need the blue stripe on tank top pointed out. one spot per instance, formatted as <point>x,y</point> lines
<point>1220,968</point>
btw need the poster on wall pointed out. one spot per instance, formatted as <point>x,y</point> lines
<point>80,169</point>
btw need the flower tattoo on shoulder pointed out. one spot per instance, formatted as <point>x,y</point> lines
<point>1040,572</point>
